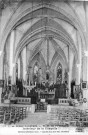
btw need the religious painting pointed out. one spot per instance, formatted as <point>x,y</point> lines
<point>84,85</point>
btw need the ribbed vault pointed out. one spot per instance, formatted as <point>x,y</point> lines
<point>43,32</point>
<point>54,51</point>
<point>46,27</point>
<point>40,10</point>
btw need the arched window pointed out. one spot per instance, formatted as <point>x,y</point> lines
<point>59,73</point>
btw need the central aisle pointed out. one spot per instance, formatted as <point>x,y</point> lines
<point>38,118</point>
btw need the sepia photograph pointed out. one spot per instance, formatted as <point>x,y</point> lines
<point>43,67</point>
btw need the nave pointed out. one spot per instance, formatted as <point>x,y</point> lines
<point>44,62</point>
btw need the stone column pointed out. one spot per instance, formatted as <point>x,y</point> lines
<point>29,54</point>
<point>1,72</point>
<point>84,66</point>
<point>77,74</point>
<point>14,64</point>
<point>24,63</point>
<point>1,58</point>
<point>85,58</point>
<point>78,65</point>
<point>18,68</point>
<point>11,64</point>
<point>86,37</point>
<point>71,57</point>
<point>85,91</point>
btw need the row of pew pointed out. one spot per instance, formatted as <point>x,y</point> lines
<point>9,115</point>
<point>68,117</point>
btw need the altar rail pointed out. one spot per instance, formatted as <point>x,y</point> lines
<point>18,100</point>
<point>62,101</point>
<point>21,100</point>
<point>67,102</point>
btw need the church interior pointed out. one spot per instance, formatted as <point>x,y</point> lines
<point>44,61</point>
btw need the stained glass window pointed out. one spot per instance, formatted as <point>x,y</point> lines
<point>59,73</point>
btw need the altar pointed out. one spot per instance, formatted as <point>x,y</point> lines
<point>49,93</point>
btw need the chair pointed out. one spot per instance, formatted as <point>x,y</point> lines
<point>12,115</point>
<point>1,114</point>
<point>24,112</point>
<point>17,114</point>
<point>7,116</point>
<point>21,112</point>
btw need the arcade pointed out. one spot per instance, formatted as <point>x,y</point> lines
<point>43,55</point>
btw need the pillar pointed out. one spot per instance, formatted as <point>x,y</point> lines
<point>29,54</point>
<point>77,74</point>
<point>11,64</point>
<point>78,65</point>
<point>1,59</point>
<point>24,63</point>
<point>70,63</point>
<point>1,72</point>
<point>18,68</point>
<point>85,91</point>
<point>14,64</point>
<point>85,58</point>
<point>86,37</point>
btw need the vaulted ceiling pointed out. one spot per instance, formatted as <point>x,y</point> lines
<point>48,47</point>
<point>42,20</point>
<point>46,21</point>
